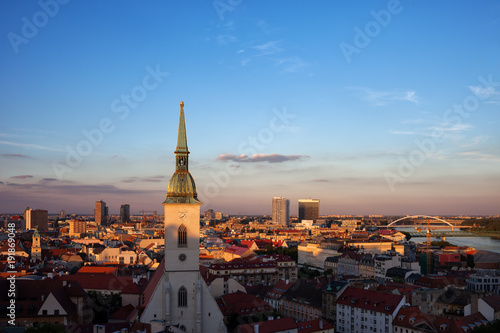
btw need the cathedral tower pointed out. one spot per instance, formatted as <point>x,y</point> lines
<point>182,232</point>
<point>36,248</point>
<point>177,297</point>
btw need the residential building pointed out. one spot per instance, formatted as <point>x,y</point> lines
<point>329,299</point>
<point>411,319</point>
<point>367,266</point>
<point>331,263</point>
<point>246,273</point>
<point>37,218</point>
<point>125,213</point>
<point>114,256</point>
<point>349,263</point>
<point>281,211</point>
<point>363,311</point>
<point>100,213</point>
<point>384,262</point>
<point>273,296</point>
<point>489,307</point>
<point>315,253</point>
<point>77,227</point>
<point>303,301</point>
<point>48,300</point>
<point>485,280</point>
<point>287,267</point>
<point>308,209</point>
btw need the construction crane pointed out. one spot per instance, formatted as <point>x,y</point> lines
<point>428,252</point>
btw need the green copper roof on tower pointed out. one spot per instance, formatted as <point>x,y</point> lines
<point>181,187</point>
<point>182,146</point>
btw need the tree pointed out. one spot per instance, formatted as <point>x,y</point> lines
<point>470,261</point>
<point>45,328</point>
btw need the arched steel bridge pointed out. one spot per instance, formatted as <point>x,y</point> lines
<point>425,216</point>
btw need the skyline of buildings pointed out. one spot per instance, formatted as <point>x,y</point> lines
<point>308,209</point>
<point>366,132</point>
<point>101,212</point>
<point>281,211</point>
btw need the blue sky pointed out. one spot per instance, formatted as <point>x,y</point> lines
<point>375,107</point>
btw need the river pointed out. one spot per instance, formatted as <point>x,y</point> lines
<point>479,243</point>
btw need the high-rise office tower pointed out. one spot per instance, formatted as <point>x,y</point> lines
<point>37,218</point>
<point>77,227</point>
<point>281,211</point>
<point>101,213</point>
<point>125,213</point>
<point>308,209</point>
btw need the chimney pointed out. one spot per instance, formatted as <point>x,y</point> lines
<point>256,328</point>
<point>321,324</point>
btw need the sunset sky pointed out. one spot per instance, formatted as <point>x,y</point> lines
<point>374,107</point>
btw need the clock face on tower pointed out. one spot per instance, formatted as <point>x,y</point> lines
<point>182,216</point>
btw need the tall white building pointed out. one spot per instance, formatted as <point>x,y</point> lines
<point>179,299</point>
<point>281,211</point>
<point>367,311</point>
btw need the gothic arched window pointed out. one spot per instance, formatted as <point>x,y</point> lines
<point>182,297</point>
<point>182,236</point>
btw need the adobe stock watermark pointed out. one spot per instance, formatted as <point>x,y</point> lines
<point>453,117</point>
<point>248,147</point>
<point>363,37</point>
<point>121,107</point>
<point>222,6</point>
<point>11,266</point>
<point>30,27</point>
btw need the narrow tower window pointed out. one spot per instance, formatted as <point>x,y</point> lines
<point>182,236</point>
<point>182,297</point>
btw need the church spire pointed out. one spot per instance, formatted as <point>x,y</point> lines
<point>181,187</point>
<point>182,146</point>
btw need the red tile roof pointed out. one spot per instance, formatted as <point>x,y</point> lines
<point>242,304</point>
<point>493,301</point>
<point>270,326</point>
<point>316,325</point>
<point>98,270</point>
<point>370,300</point>
<point>124,313</point>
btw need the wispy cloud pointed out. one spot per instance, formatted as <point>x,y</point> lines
<point>271,158</point>
<point>403,132</point>
<point>413,121</point>
<point>381,98</point>
<point>476,155</point>
<point>153,179</point>
<point>22,176</point>
<point>446,127</point>
<point>484,92</point>
<point>29,146</point>
<point>225,39</point>
<point>268,48</point>
<point>49,179</point>
<point>291,65</point>
<point>15,155</point>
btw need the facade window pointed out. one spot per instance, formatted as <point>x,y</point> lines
<point>182,297</point>
<point>182,236</point>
